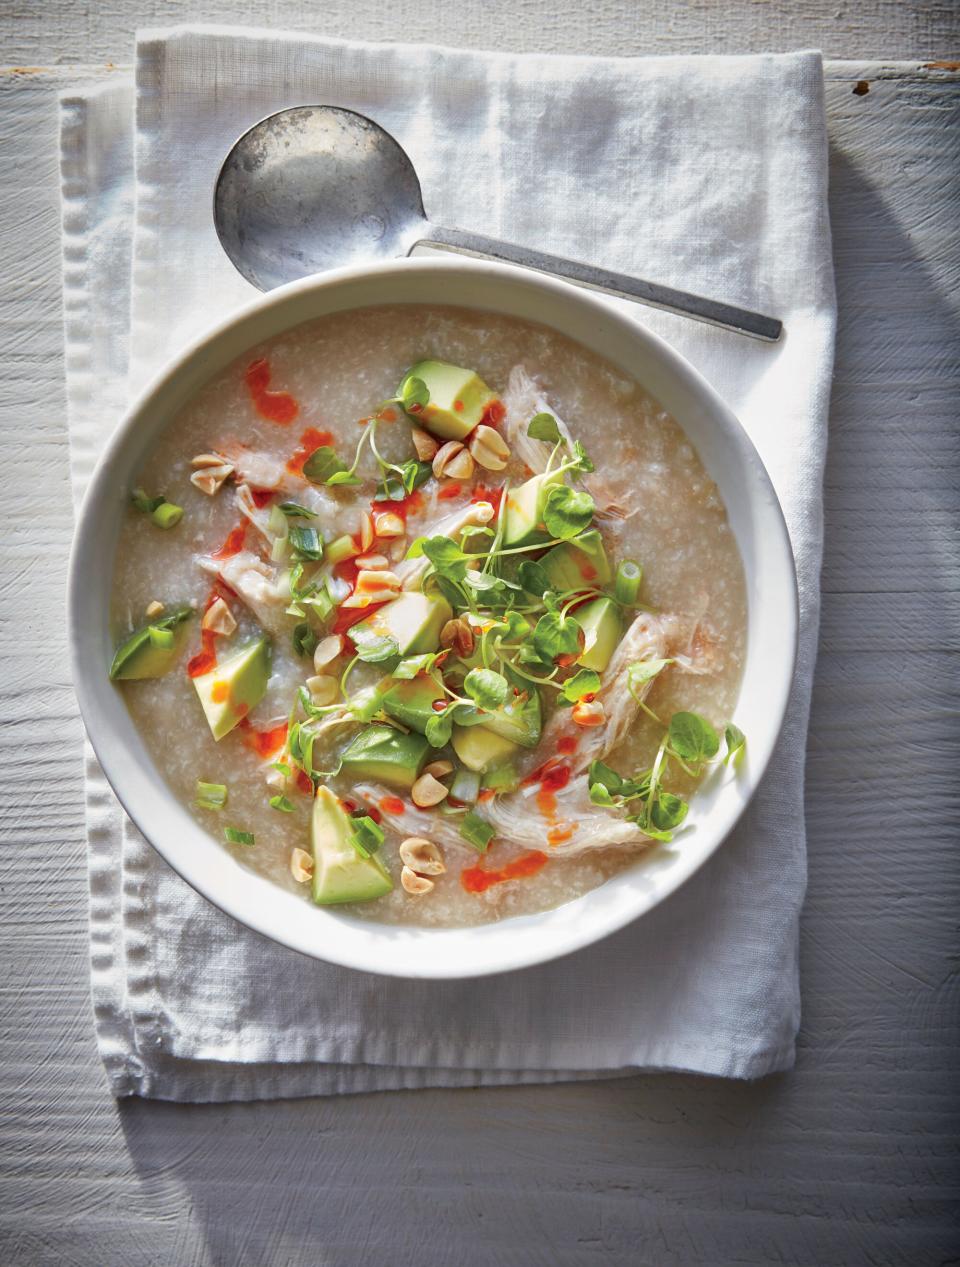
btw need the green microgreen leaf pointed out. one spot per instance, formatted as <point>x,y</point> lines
<point>582,462</point>
<point>398,484</point>
<point>447,557</point>
<point>736,742</point>
<point>567,512</point>
<point>323,466</point>
<point>375,649</point>
<point>293,510</point>
<point>557,638</point>
<point>642,671</point>
<point>414,393</point>
<point>414,665</point>
<point>439,728</point>
<point>281,803</point>
<point>543,426</point>
<point>586,682</point>
<point>533,577</point>
<point>692,738</point>
<point>487,688</point>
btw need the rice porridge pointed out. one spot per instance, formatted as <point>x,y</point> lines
<point>431,614</point>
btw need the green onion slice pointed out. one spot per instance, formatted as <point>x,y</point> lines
<point>476,831</point>
<point>237,837</point>
<point>627,584</point>
<point>211,795</point>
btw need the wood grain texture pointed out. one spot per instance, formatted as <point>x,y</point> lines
<point>63,31</point>
<point>850,1159</point>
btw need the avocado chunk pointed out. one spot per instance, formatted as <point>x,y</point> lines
<point>520,719</point>
<point>600,622</point>
<point>411,703</point>
<point>386,755</point>
<point>149,652</point>
<point>458,398</point>
<point>235,687</point>
<point>340,872</point>
<point>412,622</point>
<point>480,748</point>
<point>572,566</point>
<point>523,523</point>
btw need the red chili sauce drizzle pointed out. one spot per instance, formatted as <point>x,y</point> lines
<point>392,805</point>
<point>233,544</point>
<point>567,744</point>
<point>310,441</point>
<point>265,743</point>
<point>494,414</point>
<point>278,407</point>
<point>492,495</point>
<point>407,505</point>
<point>262,496</point>
<point>552,776</point>
<point>304,782</point>
<point>478,879</point>
<point>449,492</point>
<point>205,659</point>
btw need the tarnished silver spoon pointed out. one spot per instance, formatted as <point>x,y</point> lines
<point>317,187</point>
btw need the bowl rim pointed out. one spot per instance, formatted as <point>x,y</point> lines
<point>118,761</point>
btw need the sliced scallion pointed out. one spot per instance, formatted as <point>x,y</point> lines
<point>306,543</point>
<point>211,795</point>
<point>304,639</point>
<point>477,832</point>
<point>293,510</point>
<point>167,515</point>
<point>627,583</point>
<point>367,835</point>
<point>237,837</point>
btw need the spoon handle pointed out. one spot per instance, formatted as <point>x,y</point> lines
<point>709,310</point>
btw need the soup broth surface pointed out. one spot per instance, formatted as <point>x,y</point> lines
<point>665,513</point>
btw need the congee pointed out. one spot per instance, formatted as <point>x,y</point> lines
<point>432,614</point>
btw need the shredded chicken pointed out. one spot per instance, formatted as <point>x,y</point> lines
<point>262,470</point>
<point>517,820</point>
<point>265,589</point>
<point>411,571</point>
<point>646,639</point>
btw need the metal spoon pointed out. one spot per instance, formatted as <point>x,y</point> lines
<point>316,187</point>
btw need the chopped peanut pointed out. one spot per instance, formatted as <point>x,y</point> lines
<point>460,467</point>
<point>424,444</point>
<point>488,448</point>
<point>388,525</point>
<point>373,562</point>
<point>301,866</point>
<point>366,532</point>
<point>439,769</point>
<point>323,689</point>
<point>327,651</point>
<point>218,619</point>
<point>210,479</point>
<point>416,885</point>
<point>427,791</point>
<point>444,456</point>
<point>422,856</point>
<point>154,609</point>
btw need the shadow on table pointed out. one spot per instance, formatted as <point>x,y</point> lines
<point>435,1176</point>
<point>660,1166</point>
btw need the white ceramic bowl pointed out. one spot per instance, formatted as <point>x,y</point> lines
<point>755,517</point>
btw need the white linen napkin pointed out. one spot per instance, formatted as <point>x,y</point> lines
<point>706,173</point>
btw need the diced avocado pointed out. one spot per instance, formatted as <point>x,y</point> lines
<point>235,687</point>
<point>340,873</point>
<point>458,398</point>
<point>150,651</point>
<point>571,567</point>
<point>480,748</point>
<point>501,778</point>
<point>387,755</point>
<point>523,522</point>
<point>411,703</point>
<point>600,622</point>
<point>412,621</point>
<point>519,720</point>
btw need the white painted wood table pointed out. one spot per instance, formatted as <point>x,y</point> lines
<point>852,1158</point>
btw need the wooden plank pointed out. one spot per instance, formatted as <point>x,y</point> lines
<point>63,31</point>
<point>849,1159</point>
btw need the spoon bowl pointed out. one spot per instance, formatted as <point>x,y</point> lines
<point>312,188</point>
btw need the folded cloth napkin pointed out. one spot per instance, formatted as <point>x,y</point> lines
<point>706,173</point>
